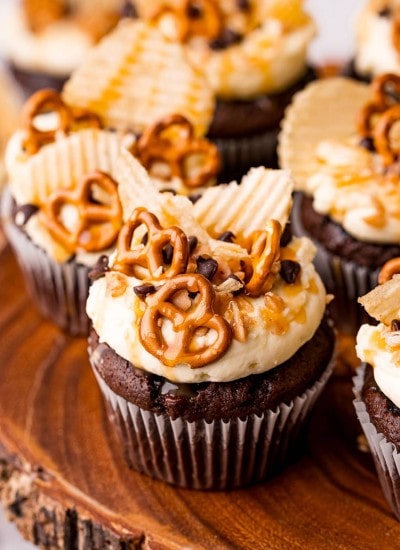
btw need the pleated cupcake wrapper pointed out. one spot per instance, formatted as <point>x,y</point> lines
<point>209,455</point>
<point>345,279</point>
<point>384,453</point>
<point>59,290</point>
<point>242,153</point>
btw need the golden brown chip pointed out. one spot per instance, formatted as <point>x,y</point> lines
<point>382,303</point>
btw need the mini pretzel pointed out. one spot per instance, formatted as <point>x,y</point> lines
<point>185,323</point>
<point>154,146</point>
<point>194,18</point>
<point>150,255</point>
<point>265,251</point>
<point>383,143</point>
<point>98,223</point>
<point>390,268</point>
<point>384,89</point>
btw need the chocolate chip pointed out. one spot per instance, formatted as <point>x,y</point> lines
<point>100,268</point>
<point>129,10</point>
<point>367,143</point>
<point>195,197</point>
<point>227,237</point>
<point>144,290</point>
<point>286,236</point>
<point>144,240</point>
<point>206,267</point>
<point>243,5</point>
<point>167,254</point>
<point>385,12</point>
<point>395,325</point>
<point>289,271</point>
<point>194,12</point>
<point>193,241</point>
<point>24,212</point>
<point>226,39</point>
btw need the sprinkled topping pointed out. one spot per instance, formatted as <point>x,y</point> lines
<point>23,213</point>
<point>100,268</point>
<point>206,267</point>
<point>289,271</point>
<point>144,290</point>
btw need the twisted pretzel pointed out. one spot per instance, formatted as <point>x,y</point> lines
<point>390,268</point>
<point>98,223</point>
<point>388,150</point>
<point>185,323</point>
<point>264,253</point>
<point>385,90</point>
<point>155,145</point>
<point>150,255</point>
<point>45,101</point>
<point>194,18</point>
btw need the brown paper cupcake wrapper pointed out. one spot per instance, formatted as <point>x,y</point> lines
<point>343,278</point>
<point>59,290</point>
<point>209,455</point>
<point>384,453</point>
<point>242,153</point>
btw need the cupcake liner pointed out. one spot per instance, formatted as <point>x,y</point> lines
<point>208,455</point>
<point>384,453</point>
<point>59,290</point>
<point>343,278</point>
<point>242,153</point>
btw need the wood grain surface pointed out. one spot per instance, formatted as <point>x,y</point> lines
<point>64,482</point>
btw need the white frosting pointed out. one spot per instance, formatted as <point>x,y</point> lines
<point>375,52</point>
<point>350,187</point>
<point>116,320</point>
<point>57,50</point>
<point>373,348</point>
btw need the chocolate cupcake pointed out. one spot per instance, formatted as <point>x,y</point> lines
<point>254,57</point>
<point>47,39</point>
<point>208,337</point>
<point>336,138</point>
<point>61,211</point>
<point>376,385</point>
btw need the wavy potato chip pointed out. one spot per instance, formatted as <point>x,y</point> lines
<point>62,163</point>
<point>135,76</point>
<point>326,109</point>
<point>382,303</point>
<point>261,196</point>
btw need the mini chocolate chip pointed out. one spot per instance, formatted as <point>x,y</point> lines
<point>168,190</point>
<point>194,12</point>
<point>24,212</point>
<point>129,10</point>
<point>286,236</point>
<point>385,12</point>
<point>192,295</point>
<point>145,238</point>
<point>100,268</point>
<point>167,254</point>
<point>144,290</point>
<point>206,267</point>
<point>243,5</point>
<point>193,241</point>
<point>367,143</point>
<point>195,197</point>
<point>289,271</point>
<point>395,325</point>
<point>227,237</point>
<point>226,39</point>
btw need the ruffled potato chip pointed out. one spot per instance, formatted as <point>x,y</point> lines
<point>382,303</point>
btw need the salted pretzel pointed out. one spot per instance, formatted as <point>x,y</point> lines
<point>172,141</point>
<point>150,255</point>
<point>390,268</point>
<point>194,18</point>
<point>185,323</point>
<point>385,90</point>
<point>45,101</point>
<point>383,143</point>
<point>264,253</point>
<point>98,222</point>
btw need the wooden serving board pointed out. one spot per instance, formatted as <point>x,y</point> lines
<point>64,482</point>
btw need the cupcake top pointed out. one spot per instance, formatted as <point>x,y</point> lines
<point>378,38</point>
<point>210,291</point>
<point>246,48</point>
<point>379,345</point>
<point>339,138</point>
<point>52,36</point>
